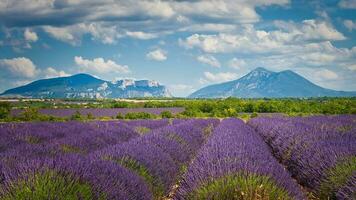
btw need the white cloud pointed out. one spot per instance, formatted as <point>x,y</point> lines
<point>237,63</point>
<point>277,49</point>
<point>19,71</point>
<point>320,30</point>
<point>158,55</point>
<point>98,66</point>
<point>209,27</point>
<point>49,12</point>
<point>106,34</point>
<point>325,74</point>
<point>110,20</point>
<point>50,72</point>
<point>30,36</point>
<point>351,67</point>
<point>234,10</point>
<point>209,60</point>
<point>350,25</point>
<point>180,90</point>
<point>218,77</point>
<point>348,4</point>
<point>23,70</point>
<point>20,67</point>
<point>68,34</point>
<point>141,35</point>
<point>323,77</point>
<point>259,41</point>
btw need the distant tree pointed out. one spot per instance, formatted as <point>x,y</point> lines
<point>5,109</point>
<point>121,104</point>
<point>119,116</point>
<point>249,107</point>
<point>90,116</point>
<point>139,115</point>
<point>207,107</point>
<point>166,114</point>
<point>30,114</point>
<point>230,112</point>
<point>76,116</point>
<point>253,115</point>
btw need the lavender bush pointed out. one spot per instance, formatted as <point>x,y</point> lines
<point>159,156</point>
<point>319,151</point>
<point>71,177</point>
<point>24,141</point>
<point>236,164</point>
<point>179,158</point>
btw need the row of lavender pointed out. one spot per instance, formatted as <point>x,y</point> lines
<point>100,112</point>
<point>19,141</point>
<point>24,142</point>
<point>235,163</point>
<point>96,160</point>
<point>319,151</point>
<point>158,157</point>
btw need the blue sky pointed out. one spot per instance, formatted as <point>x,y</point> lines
<point>183,44</point>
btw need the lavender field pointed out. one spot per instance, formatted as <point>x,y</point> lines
<point>266,158</point>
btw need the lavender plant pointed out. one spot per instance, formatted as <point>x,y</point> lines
<point>236,164</point>
<point>158,156</point>
<point>71,177</point>
<point>319,151</point>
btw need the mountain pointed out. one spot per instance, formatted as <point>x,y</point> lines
<point>264,83</point>
<point>87,86</point>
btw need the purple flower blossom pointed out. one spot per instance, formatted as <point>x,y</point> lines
<point>234,148</point>
<point>310,147</point>
<point>104,178</point>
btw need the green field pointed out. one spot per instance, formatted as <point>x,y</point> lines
<point>200,108</point>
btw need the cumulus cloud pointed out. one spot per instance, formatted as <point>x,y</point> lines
<point>68,21</point>
<point>51,72</point>
<point>348,4</point>
<point>21,70</point>
<point>100,66</point>
<point>30,36</point>
<point>20,67</point>
<point>209,27</point>
<point>157,55</point>
<point>350,25</point>
<point>218,77</point>
<point>141,35</point>
<point>259,41</point>
<point>19,39</point>
<point>209,60</point>
<point>325,74</point>
<point>72,34</point>
<point>224,10</point>
<point>63,12</point>
<point>277,48</point>
<point>180,90</point>
<point>237,63</point>
<point>351,67</point>
<point>325,77</point>
<point>318,30</point>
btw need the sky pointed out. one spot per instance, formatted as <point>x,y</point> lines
<point>183,44</point>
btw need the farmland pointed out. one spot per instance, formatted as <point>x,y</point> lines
<point>274,157</point>
<point>108,109</point>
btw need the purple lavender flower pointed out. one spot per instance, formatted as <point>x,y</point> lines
<point>71,176</point>
<point>313,148</point>
<point>74,175</point>
<point>233,158</point>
